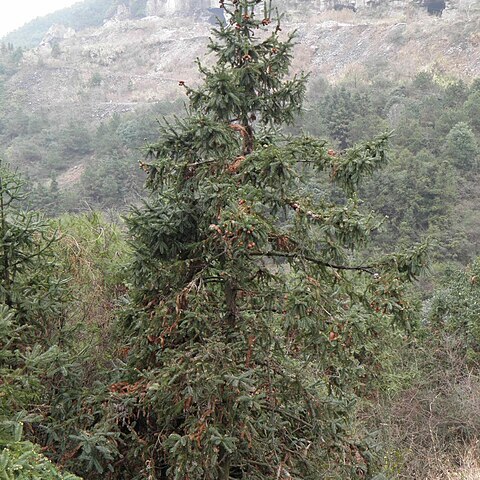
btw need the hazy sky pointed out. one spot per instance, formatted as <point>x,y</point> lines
<point>14,13</point>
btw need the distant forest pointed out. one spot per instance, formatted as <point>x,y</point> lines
<point>436,134</point>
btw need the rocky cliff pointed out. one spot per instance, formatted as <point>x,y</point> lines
<point>296,8</point>
<point>186,7</point>
<point>93,13</point>
<point>300,7</point>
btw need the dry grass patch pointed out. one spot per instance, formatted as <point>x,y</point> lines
<point>431,430</point>
<point>469,468</point>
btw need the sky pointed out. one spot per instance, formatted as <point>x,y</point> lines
<point>15,13</point>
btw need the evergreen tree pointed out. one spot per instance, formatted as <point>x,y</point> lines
<point>341,109</point>
<point>455,309</point>
<point>472,107</point>
<point>461,147</point>
<point>251,328</point>
<point>21,460</point>
<point>33,369</point>
<point>29,282</point>
<point>50,367</point>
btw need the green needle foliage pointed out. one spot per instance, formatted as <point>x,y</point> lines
<point>26,268</point>
<point>49,363</point>
<point>253,322</point>
<point>32,311</point>
<point>455,309</point>
<point>20,460</point>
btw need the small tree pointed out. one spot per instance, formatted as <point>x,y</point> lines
<point>250,325</point>
<point>455,309</point>
<point>461,147</point>
<point>32,301</point>
<point>29,284</point>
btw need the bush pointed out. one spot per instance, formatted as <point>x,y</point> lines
<point>461,147</point>
<point>21,460</point>
<point>431,424</point>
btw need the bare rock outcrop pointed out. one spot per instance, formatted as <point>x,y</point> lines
<point>57,33</point>
<point>168,7</point>
<point>122,13</point>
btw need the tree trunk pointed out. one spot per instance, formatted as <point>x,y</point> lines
<point>231,303</point>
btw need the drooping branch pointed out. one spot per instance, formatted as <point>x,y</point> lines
<point>359,268</point>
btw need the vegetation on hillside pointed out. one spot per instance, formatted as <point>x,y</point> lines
<point>59,287</point>
<point>77,165</point>
<point>432,176</point>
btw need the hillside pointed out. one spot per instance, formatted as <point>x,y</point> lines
<point>127,62</point>
<point>89,13</point>
<point>105,58</point>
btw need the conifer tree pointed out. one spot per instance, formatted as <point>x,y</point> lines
<point>252,320</point>
<point>33,296</point>
<point>461,147</point>
<point>29,284</point>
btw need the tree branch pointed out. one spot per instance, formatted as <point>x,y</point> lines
<point>317,261</point>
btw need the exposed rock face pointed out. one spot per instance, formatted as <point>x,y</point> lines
<point>169,7</point>
<point>123,13</point>
<point>187,7</point>
<point>141,60</point>
<point>57,33</point>
<point>294,8</point>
